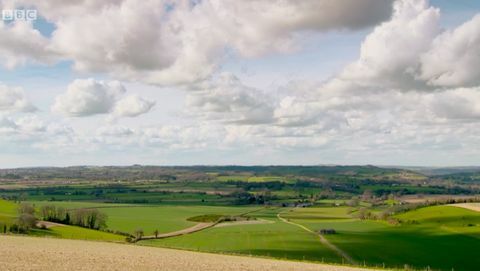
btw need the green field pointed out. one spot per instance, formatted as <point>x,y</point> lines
<point>8,212</point>
<point>73,232</point>
<point>438,237</point>
<point>442,238</point>
<point>164,218</point>
<point>273,239</point>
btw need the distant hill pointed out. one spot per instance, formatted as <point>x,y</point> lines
<point>436,171</point>
<point>137,172</point>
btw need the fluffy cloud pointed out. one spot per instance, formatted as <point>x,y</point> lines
<point>454,58</point>
<point>389,55</point>
<point>14,100</point>
<point>169,42</point>
<point>228,100</point>
<point>21,43</point>
<point>86,97</point>
<point>132,106</point>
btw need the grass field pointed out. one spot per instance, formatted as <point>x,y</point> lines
<point>276,239</point>
<point>73,232</point>
<point>164,218</point>
<point>439,237</point>
<point>8,212</point>
<point>441,240</point>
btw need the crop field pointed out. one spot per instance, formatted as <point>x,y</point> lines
<point>26,253</point>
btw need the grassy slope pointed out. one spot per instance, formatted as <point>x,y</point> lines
<point>442,239</point>
<point>8,212</point>
<point>277,239</point>
<point>73,232</point>
<point>165,218</point>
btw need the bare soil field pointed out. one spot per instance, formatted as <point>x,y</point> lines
<point>425,198</point>
<point>30,253</point>
<point>470,206</point>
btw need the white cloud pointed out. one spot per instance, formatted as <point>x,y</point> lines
<point>13,99</point>
<point>88,97</point>
<point>21,43</point>
<point>454,58</point>
<point>456,104</point>
<point>175,42</point>
<point>389,55</point>
<point>132,106</point>
<point>228,100</point>
<point>397,99</point>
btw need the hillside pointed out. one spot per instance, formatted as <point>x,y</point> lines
<point>28,253</point>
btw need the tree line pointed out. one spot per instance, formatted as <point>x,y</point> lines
<point>83,217</point>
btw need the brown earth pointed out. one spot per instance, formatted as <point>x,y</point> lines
<point>470,206</point>
<point>33,253</point>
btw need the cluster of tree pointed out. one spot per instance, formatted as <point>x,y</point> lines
<point>242,197</point>
<point>25,221</point>
<point>87,218</point>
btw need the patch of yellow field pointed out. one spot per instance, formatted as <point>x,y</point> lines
<point>469,206</point>
<point>30,253</point>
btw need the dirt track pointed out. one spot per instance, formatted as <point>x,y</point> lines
<point>198,227</point>
<point>322,239</point>
<point>30,253</point>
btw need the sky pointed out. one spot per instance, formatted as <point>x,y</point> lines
<point>258,82</point>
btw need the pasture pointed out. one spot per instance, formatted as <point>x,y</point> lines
<point>8,212</point>
<point>276,239</point>
<point>164,218</point>
<point>74,232</point>
<point>438,237</point>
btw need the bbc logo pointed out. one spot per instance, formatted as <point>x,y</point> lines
<point>19,14</point>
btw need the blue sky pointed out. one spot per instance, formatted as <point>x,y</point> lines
<point>112,83</point>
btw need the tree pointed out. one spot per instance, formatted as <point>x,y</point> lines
<point>26,217</point>
<point>138,234</point>
<point>367,195</point>
<point>26,208</point>
<point>26,221</point>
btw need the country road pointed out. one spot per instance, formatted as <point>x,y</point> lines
<point>195,228</point>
